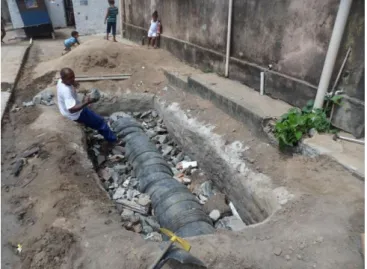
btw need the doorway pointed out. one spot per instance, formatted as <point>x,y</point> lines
<point>69,10</point>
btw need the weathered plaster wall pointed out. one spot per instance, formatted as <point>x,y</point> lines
<point>16,19</point>
<point>89,16</point>
<point>5,11</point>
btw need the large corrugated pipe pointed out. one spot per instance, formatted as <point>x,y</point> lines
<point>175,207</point>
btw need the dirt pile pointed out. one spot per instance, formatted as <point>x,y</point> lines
<point>93,55</point>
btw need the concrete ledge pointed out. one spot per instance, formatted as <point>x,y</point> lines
<point>237,100</point>
<point>247,106</point>
<point>350,116</point>
<point>14,59</point>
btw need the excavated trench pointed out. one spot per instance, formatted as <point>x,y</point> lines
<point>173,172</point>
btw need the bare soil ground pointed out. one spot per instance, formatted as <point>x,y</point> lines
<point>63,219</point>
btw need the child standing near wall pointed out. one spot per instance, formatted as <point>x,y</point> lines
<point>154,30</point>
<point>110,19</point>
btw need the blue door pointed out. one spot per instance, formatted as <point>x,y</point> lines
<point>33,12</point>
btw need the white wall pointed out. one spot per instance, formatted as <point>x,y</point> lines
<point>16,19</point>
<point>89,19</point>
<point>56,11</point>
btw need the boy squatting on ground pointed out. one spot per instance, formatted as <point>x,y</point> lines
<point>73,40</point>
<point>154,30</point>
<point>110,19</point>
<point>71,108</point>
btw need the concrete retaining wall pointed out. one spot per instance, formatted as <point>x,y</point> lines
<point>291,35</point>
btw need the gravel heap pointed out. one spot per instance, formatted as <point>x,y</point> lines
<point>118,178</point>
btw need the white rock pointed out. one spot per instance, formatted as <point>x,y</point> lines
<point>126,183</point>
<point>119,193</point>
<point>185,164</point>
<point>186,180</point>
<point>214,215</point>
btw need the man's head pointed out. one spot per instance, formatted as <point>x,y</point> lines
<point>67,76</point>
<point>111,2</point>
<point>75,34</point>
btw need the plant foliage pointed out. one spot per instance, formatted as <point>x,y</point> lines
<point>290,128</point>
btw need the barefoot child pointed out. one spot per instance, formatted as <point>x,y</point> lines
<point>110,19</point>
<point>72,41</point>
<point>153,30</point>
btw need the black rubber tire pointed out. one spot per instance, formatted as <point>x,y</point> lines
<point>147,181</point>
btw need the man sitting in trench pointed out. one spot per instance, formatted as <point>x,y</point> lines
<point>71,108</point>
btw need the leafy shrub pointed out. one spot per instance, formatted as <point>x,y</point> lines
<point>296,123</point>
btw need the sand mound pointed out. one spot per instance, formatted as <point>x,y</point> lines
<point>92,56</point>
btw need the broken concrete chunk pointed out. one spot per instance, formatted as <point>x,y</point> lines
<point>28,104</point>
<point>105,174</point>
<point>133,206</point>
<point>166,150</point>
<point>145,114</point>
<point>161,138</point>
<point>120,168</point>
<point>206,189</point>
<point>217,202</point>
<point>154,114</point>
<point>154,236</point>
<point>160,130</point>
<point>136,114</point>
<point>230,223</point>
<point>151,133</point>
<point>185,165</point>
<point>138,228</point>
<point>120,192</point>
<point>127,212</point>
<point>202,199</point>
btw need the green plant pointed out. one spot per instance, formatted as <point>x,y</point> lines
<point>290,128</point>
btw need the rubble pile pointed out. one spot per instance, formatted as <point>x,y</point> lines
<point>118,178</point>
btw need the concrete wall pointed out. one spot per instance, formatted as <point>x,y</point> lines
<point>16,19</point>
<point>56,11</point>
<point>89,16</point>
<point>5,11</point>
<point>292,35</point>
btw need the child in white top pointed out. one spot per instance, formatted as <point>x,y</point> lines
<point>154,30</point>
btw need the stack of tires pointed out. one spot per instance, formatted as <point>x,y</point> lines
<point>175,207</point>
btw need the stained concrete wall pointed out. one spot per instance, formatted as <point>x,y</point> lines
<point>16,19</point>
<point>89,16</point>
<point>291,35</point>
<point>5,11</point>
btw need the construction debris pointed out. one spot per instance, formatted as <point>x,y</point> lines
<point>118,178</point>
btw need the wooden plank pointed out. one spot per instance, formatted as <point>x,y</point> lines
<point>100,78</point>
<point>114,75</point>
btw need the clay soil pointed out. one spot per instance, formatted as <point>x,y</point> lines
<point>60,215</point>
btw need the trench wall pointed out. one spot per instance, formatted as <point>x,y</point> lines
<point>291,35</point>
